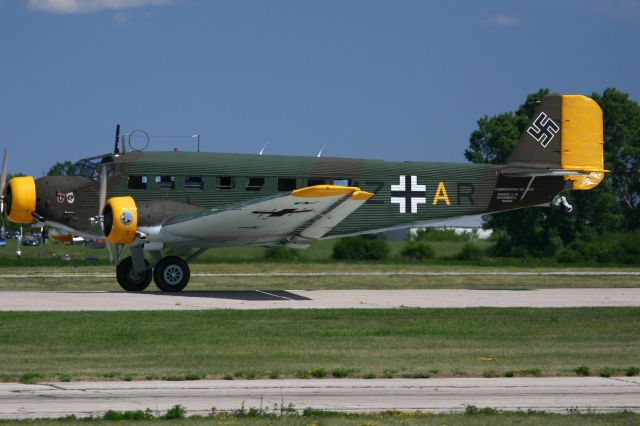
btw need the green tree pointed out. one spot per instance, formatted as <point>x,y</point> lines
<point>622,151</point>
<point>61,169</point>
<point>613,206</point>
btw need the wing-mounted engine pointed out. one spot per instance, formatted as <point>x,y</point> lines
<point>120,220</point>
<point>123,216</point>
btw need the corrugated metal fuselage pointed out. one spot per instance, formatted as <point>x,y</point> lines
<point>406,193</point>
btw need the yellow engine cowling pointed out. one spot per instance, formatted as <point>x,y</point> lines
<point>120,220</point>
<point>20,199</point>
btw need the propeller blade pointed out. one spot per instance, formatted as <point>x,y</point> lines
<point>3,181</point>
<point>103,190</point>
<point>110,250</point>
<point>3,178</point>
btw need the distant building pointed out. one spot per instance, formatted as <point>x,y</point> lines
<point>461,225</point>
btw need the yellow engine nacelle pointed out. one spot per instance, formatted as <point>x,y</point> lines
<point>120,220</point>
<point>20,199</point>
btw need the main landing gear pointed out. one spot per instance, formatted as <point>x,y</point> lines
<point>131,280</point>
<point>170,273</point>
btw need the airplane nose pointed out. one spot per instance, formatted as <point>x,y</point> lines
<point>20,199</point>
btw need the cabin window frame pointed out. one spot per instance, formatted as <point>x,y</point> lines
<point>292,184</point>
<point>340,182</point>
<point>255,187</point>
<point>225,187</point>
<point>317,181</point>
<point>165,184</point>
<point>194,187</point>
<point>144,182</point>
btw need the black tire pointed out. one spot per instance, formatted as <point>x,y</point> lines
<point>171,274</point>
<point>129,280</point>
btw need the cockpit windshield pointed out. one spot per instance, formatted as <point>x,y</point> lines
<point>91,167</point>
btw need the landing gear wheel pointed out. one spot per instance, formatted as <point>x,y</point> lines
<point>128,279</point>
<point>171,274</point>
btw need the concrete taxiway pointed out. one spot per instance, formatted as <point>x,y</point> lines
<point>320,299</point>
<point>554,394</point>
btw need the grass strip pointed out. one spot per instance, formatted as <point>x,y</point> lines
<point>475,342</point>
<point>253,417</point>
<point>30,279</point>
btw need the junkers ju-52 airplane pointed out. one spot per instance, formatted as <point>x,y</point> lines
<point>170,207</point>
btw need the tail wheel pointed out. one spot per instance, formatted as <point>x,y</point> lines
<point>128,279</point>
<point>171,274</point>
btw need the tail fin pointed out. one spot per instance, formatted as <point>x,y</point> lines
<point>564,137</point>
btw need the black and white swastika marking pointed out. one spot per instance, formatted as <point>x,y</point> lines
<point>408,193</point>
<point>543,129</point>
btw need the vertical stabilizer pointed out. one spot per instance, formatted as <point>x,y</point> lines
<point>564,136</point>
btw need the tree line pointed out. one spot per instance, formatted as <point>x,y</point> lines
<point>606,222</point>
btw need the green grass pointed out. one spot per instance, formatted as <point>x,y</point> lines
<point>266,282</point>
<point>316,343</point>
<point>320,418</point>
<point>319,251</point>
<point>58,254</point>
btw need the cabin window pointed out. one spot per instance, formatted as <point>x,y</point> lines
<point>137,182</point>
<point>286,184</point>
<point>225,182</point>
<point>341,182</point>
<point>254,183</point>
<point>194,183</point>
<point>166,182</point>
<point>315,181</point>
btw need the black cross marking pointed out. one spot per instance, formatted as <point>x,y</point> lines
<point>409,193</point>
<point>280,213</point>
<point>543,129</point>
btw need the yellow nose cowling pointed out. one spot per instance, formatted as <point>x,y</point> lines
<point>21,199</point>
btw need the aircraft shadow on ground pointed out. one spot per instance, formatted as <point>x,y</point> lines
<point>248,295</point>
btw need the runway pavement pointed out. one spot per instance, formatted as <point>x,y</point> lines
<point>349,274</point>
<point>320,299</point>
<point>554,394</point>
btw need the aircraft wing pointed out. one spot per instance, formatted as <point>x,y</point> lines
<point>294,219</point>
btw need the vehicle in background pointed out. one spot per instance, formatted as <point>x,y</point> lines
<point>99,244</point>
<point>12,233</point>
<point>30,241</point>
<point>3,243</point>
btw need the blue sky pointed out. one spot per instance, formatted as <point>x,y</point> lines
<point>394,80</point>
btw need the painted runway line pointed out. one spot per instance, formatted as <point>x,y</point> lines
<point>318,299</point>
<point>552,394</point>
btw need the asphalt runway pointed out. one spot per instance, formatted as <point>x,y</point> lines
<point>318,299</point>
<point>352,274</point>
<point>553,394</point>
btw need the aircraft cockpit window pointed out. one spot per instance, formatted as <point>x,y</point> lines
<point>254,183</point>
<point>225,182</point>
<point>137,182</point>
<point>194,183</point>
<point>313,182</point>
<point>166,182</point>
<point>91,168</point>
<point>286,184</point>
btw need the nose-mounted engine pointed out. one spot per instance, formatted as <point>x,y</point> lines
<point>20,199</point>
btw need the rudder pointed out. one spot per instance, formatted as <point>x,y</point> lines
<point>565,137</point>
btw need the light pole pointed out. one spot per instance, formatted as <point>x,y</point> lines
<point>197,135</point>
